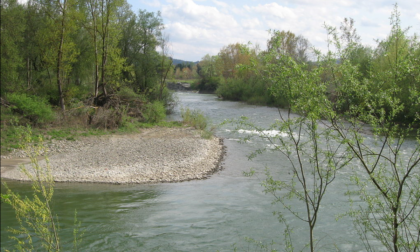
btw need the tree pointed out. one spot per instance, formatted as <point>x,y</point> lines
<point>12,28</point>
<point>109,33</point>
<point>91,25</point>
<point>208,66</point>
<point>386,165</point>
<point>165,63</point>
<point>59,51</point>
<point>149,28</point>
<point>231,56</point>
<point>389,185</point>
<point>287,43</point>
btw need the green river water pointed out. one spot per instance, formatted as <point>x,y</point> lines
<point>216,214</point>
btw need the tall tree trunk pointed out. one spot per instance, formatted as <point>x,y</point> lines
<point>28,72</point>
<point>60,58</point>
<point>96,62</point>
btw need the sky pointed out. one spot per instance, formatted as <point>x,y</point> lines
<point>200,27</point>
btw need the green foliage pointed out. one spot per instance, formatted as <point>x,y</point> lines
<point>209,84</point>
<point>252,90</point>
<point>194,118</point>
<point>33,108</point>
<point>34,214</point>
<point>10,137</point>
<point>127,93</point>
<point>12,28</point>
<point>60,134</point>
<point>375,89</point>
<point>154,112</point>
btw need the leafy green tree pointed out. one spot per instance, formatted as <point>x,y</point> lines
<point>165,66</point>
<point>91,24</point>
<point>150,30</point>
<point>59,51</point>
<point>389,184</point>
<point>109,32</point>
<point>287,43</point>
<point>12,35</point>
<point>208,65</point>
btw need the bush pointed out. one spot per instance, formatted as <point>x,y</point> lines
<point>232,89</point>
<point>128,93</point>
<point>209,84</point>
<point>35,109</point>
<point>106,118</point>
<point>194,118</point>
<point>154,112</point>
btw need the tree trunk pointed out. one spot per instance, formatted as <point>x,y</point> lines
<point>60,58</point>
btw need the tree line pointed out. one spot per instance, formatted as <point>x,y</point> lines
<point>66,51</point>
<point>238,71</point>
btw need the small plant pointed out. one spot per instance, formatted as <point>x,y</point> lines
<point>34,215</point>
<point>154,112</point>
<point>194,118</point>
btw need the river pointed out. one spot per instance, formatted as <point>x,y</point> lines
<point>216,214</point>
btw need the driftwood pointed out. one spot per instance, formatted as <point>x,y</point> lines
<point>110,109</point>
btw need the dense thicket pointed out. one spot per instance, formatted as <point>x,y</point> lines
<point>241,72</point>
<point>72,51</point>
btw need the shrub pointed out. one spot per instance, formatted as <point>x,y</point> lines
<point>154,112</point>
<point>35,109</point>
<point>128,93</point>
<point>209,84</point>
<point>106,118</point>
<point>194,118</point>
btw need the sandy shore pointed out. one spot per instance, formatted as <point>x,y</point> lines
<point>154,155</point>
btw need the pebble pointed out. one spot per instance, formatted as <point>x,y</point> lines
<point>154,155</point>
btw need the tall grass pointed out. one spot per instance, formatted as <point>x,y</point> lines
<point>196,119</point>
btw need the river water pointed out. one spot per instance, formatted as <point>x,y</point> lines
<point>216,214</point>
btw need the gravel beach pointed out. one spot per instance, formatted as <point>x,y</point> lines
<point>154,155</point>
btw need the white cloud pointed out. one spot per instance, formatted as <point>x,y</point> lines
<point>198,15</point>
<point>153,3</point>
<point>221,4</point>
<point>250,23</point>
<point>275,10</point>
<point>418,16</point>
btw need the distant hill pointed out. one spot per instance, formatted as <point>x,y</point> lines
<point>178,61</point>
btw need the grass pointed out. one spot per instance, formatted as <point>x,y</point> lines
<point>10,135</point>
<point>10,131</point>
<point>196,119</point>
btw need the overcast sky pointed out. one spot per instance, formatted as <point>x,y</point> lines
<point>200,27</point>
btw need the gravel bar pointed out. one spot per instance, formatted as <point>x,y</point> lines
<point>154,155</point>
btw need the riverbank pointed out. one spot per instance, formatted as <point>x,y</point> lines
<point>154,155</point>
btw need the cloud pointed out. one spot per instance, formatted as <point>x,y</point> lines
<point>418,16</point>
<point>274,10</point>
<point>221,4</point>
<point>199,15</point>
<point>153,3</point>
<point>250,23</point>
